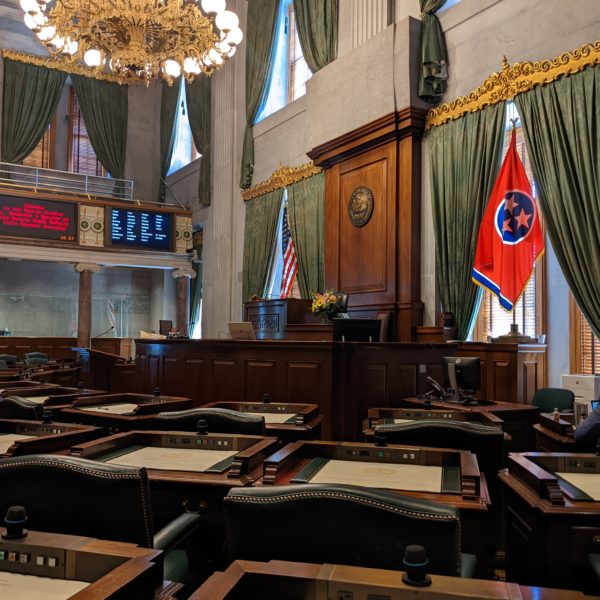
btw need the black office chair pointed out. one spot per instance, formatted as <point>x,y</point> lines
<point>218,420</point>
<point>10,359</point>
<point>35,361</point>
<point>15,407</point>
<point>76,496</point>
<point>341,524</point>
<point>484,441</point>
<point>342,301</point>
<point>3,365</point>
<point>547,399</point>
<point>36,355</point>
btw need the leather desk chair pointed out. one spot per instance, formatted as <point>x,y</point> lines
<point>36,355</point>
<point>3,365</point>
<point>342,302</point>
<point>11,359</point>
<point>342,524</point>
<point>484,441</point>
<point>15,407</point>
<point>35,361</point>
<point>218,420</point>
<point>77,496</point>
<point>547,399</point>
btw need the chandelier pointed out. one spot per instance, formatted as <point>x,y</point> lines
<point>137,40</point>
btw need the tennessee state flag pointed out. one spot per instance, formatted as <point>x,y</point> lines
<point>510,235</point>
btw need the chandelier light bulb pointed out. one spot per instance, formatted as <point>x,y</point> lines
<point>29,22</point>
<point>93,58</point>
<point>234,37</point>
<point>30,6</point>
<point>191,66</point>
<point>211,7</point>
<point>71,46</point>
<point>231,52</point>
<point>227,20</point>
<point>46,33</point>
<point>215,57</point>
<point>172,68</point>
<point>57,42</point>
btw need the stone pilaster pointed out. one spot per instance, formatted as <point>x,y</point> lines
<point>84,312</point>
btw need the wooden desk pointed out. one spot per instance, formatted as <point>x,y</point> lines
<point>278,579</point>
<point>44,438</point>
<point>549,534</point>
<point>518,418</point>
<point>51,395</point>
<point>141,406</point>
<point>112,569</point>
<point>116,346</point>
<point>385,416</point>
<point>472,501</point>
<point>554,436</point>
<point>303,422</point>
<point>174,490</point>
<point>65,375</point>
<point>106,371</point>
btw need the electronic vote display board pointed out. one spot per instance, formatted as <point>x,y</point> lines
<point>40,219</point>
<point>141,229</point>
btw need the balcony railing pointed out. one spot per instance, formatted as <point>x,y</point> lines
<point>62,182</point>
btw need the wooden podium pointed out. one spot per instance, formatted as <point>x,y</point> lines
<point>117,346</point>
<point>289,319</point>
<point>104,371</point>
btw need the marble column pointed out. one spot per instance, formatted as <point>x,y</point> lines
<point>183,277</point>
<point>84,312</point>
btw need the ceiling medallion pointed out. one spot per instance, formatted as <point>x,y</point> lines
<point>360,206</point>
<point>137,40</point>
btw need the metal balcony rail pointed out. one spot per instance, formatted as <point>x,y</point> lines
<point>62,182</point>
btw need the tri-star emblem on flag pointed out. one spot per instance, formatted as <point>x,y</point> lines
<point>510,235</point>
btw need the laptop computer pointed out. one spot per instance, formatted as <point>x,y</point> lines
<point>241,331</point>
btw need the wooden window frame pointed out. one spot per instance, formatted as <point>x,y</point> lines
<point>70,140</point>
<point>50,135</point>
<point>576,320</point>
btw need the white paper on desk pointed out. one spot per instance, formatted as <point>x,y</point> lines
<point>390,476</point>
<point>588,483</point>
<point>173,459</point>
<point>31,587</point>
<point>113,409</point>
<point>8,439</point>
<point>273,417</point>
<point>37,399</point>
<point>399,421</point>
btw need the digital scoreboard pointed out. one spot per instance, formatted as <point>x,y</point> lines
<point>141,229</point>
<point>41,219</point>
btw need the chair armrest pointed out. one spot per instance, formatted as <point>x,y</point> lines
<point>176,531</point>
<point>468,565</point>
<point>595,562</point>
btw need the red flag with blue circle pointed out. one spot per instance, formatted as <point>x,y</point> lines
<point>510,235</point>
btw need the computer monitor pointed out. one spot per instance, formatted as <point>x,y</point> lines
<point>462,375</point>
<point>165,326</point>
<point>356,330</point>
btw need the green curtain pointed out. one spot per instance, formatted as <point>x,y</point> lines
<point>196,290</point>
<point>31,94</point>
<point>433,55</point>
<point>198,95</point>
<point>464,158</point>
<point>306,215</point>
<point>561,124</point>
<point>260,236</point>
<point>317,22</point>
<point>260,33</point>
<point>168,111</point>
<point>103,107</point>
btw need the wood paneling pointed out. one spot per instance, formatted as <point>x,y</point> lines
<point>378,264</point>
<point>57,348</point>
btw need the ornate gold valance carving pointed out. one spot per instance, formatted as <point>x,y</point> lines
<point>66,66</point>
<point>282,177</point>
<point>514,80</point>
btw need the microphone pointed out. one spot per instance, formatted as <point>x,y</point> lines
<point>415,565</point>
<point>101,334</point>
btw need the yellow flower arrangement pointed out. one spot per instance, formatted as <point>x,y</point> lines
<point>325,304</point>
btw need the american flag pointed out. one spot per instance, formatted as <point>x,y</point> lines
<point>290,262</point>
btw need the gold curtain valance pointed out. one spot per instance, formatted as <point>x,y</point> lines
<point>72,68</point>
<point>514,80</point>
<point>281,178</point>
